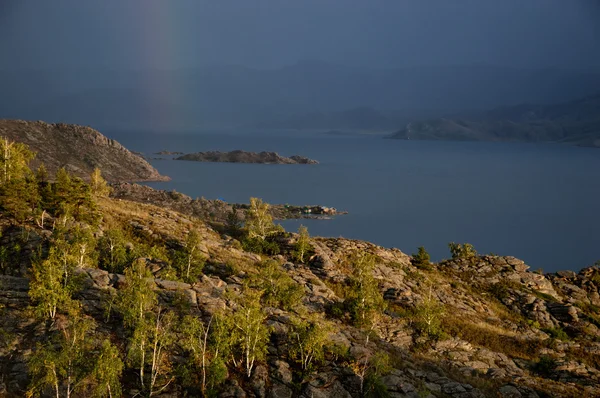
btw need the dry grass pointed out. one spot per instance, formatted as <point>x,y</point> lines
<point>493,338</point>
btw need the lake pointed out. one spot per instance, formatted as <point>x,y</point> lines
<point>537,202</point>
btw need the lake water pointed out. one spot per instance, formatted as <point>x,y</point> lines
<point>535,202</point>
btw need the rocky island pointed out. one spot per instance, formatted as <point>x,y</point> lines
<point>167,153</point>
<point>239,156</point>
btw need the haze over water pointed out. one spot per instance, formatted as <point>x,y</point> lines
<point>533,201</point>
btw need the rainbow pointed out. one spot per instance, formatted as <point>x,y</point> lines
<point>163,88</point>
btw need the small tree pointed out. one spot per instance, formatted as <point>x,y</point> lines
<point>233,223</point>
<point>98,185</point>
<point>62,364</point>
<point>107,371</point>
<point>112,251</point>
<point>365,300</point>
<point>137,297</point>
<point>149,347</point>
<point>14,160</point>
<point>308,339</point>
<point>369,368</point>
<point>302,246</point>
<point>83,246</point>
<point>19,197</point>
<point>428,315</point>
<point>251,335</point>
<point>189,261</point>
<point>208,345</point>
<point>259,222</point>
<point>464,251</point>
<point>277,288</point>
<point>421,259</point>
<point>49,288</point>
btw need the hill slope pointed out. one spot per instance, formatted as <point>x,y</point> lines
<point>79,149</point>
<point>576,122</point>
<point>502,330</point>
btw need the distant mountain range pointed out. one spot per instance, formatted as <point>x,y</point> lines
<point>304,95</point>
<point>575,122</point>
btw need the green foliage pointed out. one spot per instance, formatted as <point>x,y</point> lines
<point>545,296</point>
<point>557,333</point>
<point>233,223</point>
<point>52,283</point>
<point>421,260</point>
<point>208,346</point>
<point>137,297</point>
<point>545,365</point>
<point>364,300</point>
<point>14,160</point>
<point>64,363</point>
<point>308,340</point>
<point>71,197</point>
<point>278,289</point>
<point>379,366</point>
<point>19,197</point>
<point>98,186</point>
<point>189,261</point>
<point>369,369</point>
<point>113,256</point>
<point>107,371</point>
<point>302,246</point>
<point>250,334</point>
<point>149,345</point>
<point>259,223</point>
<point>503,289</point>
<point>261,246</point>
<point>428,316</point>
<point>462,250</point>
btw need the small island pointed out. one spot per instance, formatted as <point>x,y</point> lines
<point>239,156</point>
<point>165,152</point>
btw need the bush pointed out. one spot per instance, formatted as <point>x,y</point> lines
<point>261,246</point>
<point>545,365</point>
<point>278,288</point>
<point>556,333</point>
<point>462,250</point>
<point>422,259</point>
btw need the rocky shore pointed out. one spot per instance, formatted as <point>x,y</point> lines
<point>239,156</point>
<point>216,211</point>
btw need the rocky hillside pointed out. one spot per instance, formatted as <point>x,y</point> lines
<point>79,149</point>
<point>576,122</point>
<point>246,157</point>
<point>471,326</point>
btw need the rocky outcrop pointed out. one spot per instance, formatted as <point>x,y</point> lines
<point>79,149</point>
<point>246,157</point>
<point>213,210</point>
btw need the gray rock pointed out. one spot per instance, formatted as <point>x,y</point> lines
<point>509,391</point>
<point>280,370</point>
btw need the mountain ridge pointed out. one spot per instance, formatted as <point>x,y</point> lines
<point>576,122</point>
<point>79,149</point>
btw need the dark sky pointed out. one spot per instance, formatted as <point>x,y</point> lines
<point>272,33</point>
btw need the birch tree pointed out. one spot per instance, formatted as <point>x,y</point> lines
<point>251,334</point>
<point>189,261</point>
<point>259,222</point>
